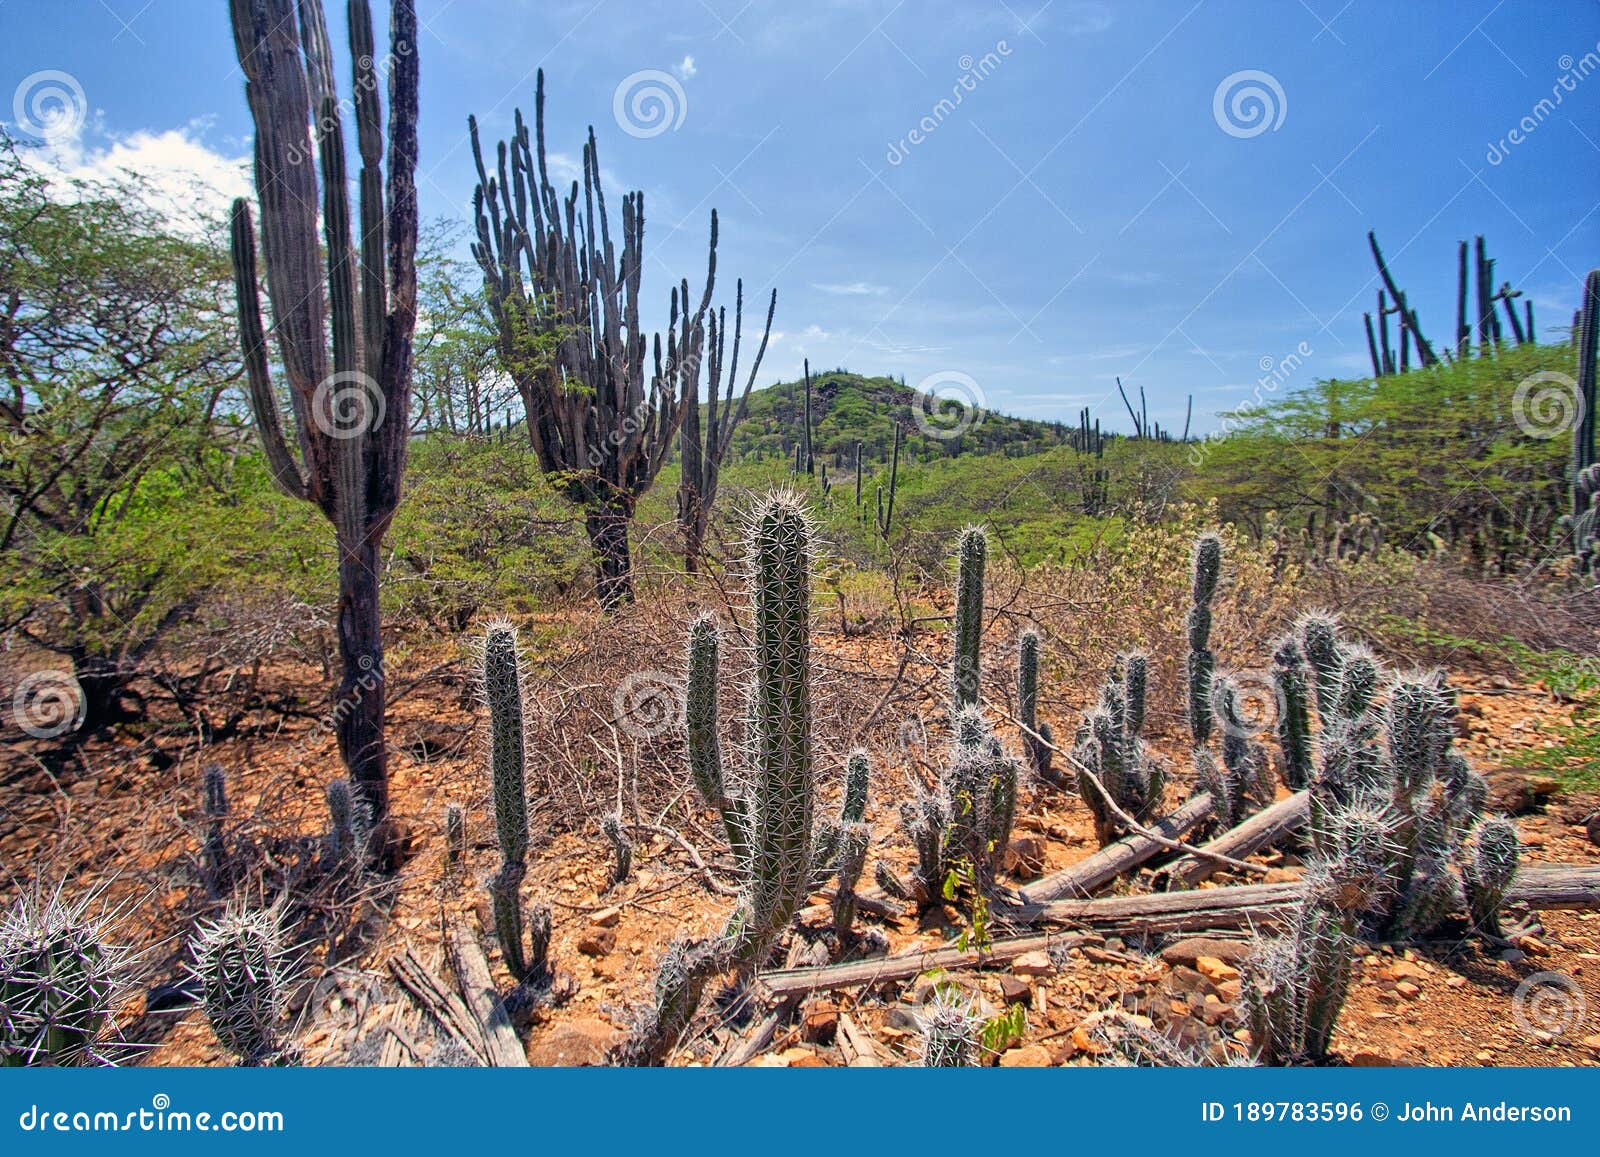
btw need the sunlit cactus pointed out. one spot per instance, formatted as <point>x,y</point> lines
<point>1036,736</point>
<point>1318,633</point>
<point>1207,570</point>
<point>1289,679</point>
<point>1110,748</point>
<point>242,967</point>
<point>950,1032</point>
<point>1488,867</point>
<point>972,551</point>
<point>616,834</point>
<point>60,980</point>
<point>854,840</point>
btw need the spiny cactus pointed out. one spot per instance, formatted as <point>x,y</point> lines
<point>951,1032</point>
<point>827,845</point>
<point>60,979</point>
<point>1109,746</point>
<point>1585,475</point>
<point>242,968</point>
<point>502,693</point>
<point>685,968</point>
<point>1038,753</point>
<point>1247,774</point>
<point>1207,571</point>
<point>1488,865</point>
<point>1318,632</point>
<point>349,824</point>
<point>854,840</point>
<point>1359,676</point>
<point>1289,678</point>
<point>972,550</point>
<point>621,847</point>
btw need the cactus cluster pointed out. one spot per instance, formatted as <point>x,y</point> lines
<point>242,968</point>
<point>1111,749</point>
<point>768,806</point>
<point>60,979</point>
<point>502,692</point>
<point>1585,470</point>
<point>1207,571</point>
<point>1243,781</point>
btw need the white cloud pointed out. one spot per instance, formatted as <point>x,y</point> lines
<point>685,68</point>
<point>851,289</point>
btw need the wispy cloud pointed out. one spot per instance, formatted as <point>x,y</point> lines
<point>685,68</point>
<point>851,289</point>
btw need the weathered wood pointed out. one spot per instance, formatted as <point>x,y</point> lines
<point>1261,830</point>
<point>446,1008</point>
<point>856,1044</point>
<point>1542,887</point>
<point>1118,857</point>
<point>759,1039</point>
<point>799,981</point>
<point>504,1050</point>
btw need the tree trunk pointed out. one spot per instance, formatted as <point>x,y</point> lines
<point>358,710</point>
<point>607,525</point>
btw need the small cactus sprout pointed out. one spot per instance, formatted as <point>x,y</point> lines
<point>242,968</point>
<point>1290,679</point>
<point>686,967</point>
<point>1488,867</point>
<point>1110,748</point>
<point>1207,572</point>
<point>854,839</point>
<point>621,847</point>
<point>341,842</point>
<point>972,552</point>
<point>1038,754</point>
<point>1318,632</point>
<point>59,980</point>
<point>455,836</point>
<point>1249,775</point>
<point>1359,675</point>
<point>951,1031</point>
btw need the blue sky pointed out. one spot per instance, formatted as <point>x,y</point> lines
<point>1083,211</point>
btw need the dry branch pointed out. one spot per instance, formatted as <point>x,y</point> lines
<point>1118,857</point>
<point>1259,831</point>
<point>503,1049</point>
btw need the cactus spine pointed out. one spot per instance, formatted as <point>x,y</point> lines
<point>621,847</point>
<point>950,1032</point>
<point>59,981</point>
<point>1294,716</point>
<point>502,692</point>
<point>1109,746</point>
<point>1036,736</point>
<point>1585,472</point>
<point>1207,570</point>
<point>965,668</point>
<point>241,965</point>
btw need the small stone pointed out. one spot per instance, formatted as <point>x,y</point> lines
<point>820,1025</point>
<point>606,917</point>
<point>1013,989</point>
<point>1408,990</point>
<point>799,1058</point>
<point>597,942</point>
<point>1513,956</point>
<point>1592,1043</point>
<point>1214,1012</point>
<point>574,1042</point>
<point>1024,857</point>
<point>1033,964</point>
<point>1371,1059</point>
<point>1230,991</point>
<point>1187,951</point>
<point>1214,969</point>
<point>1026,1057</point>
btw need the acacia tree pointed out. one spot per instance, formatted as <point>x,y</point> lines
<point>350,410</point>
<point>115,354</point>
<point>565,301</point>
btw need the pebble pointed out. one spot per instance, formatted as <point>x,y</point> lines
<point>1033,964</point>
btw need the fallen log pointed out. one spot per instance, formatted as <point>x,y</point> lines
<point>446,1008</point>
<point>856,1044</point>
<point>791,982</point>
<point>483,999</point>
<point>1116,858</point>
<point>1264,828</point>
<point>1538,886</point>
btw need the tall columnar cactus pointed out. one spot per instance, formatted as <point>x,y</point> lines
<point>951,1032</point>
<point>60,980</point>
<point>884,520</point>
<point>344,308</point>
<point>1585,477</point>
<point>1290,680</point>
<point>1242,782</point>
<point>1318,633</point>
<point>1111,750</point>
<point>972,552</point>
<point>502,693</point>
<point>1038,753</point>
<point>769,815</point>
<point>242,968</point>
<point>1207,571</point>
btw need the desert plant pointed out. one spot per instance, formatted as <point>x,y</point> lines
<point>1110,749</point>
<point>502,692</point>
<point>1488,864</point>
<point>60,980</point>
<point>1318,633</point>
<point>854,839</point>
<point>616,835</point>
<point>351,417</point>
<point>972,550</point>
<point>1037,737</point>
<point>1289,680</point>
<point>455,836</point>
<point>1244,781</point>
<point>214,861</point>
<point>1585,476</point>
<point>1206,572</point>
<point>950,1031</point>
<point>242,968</point>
